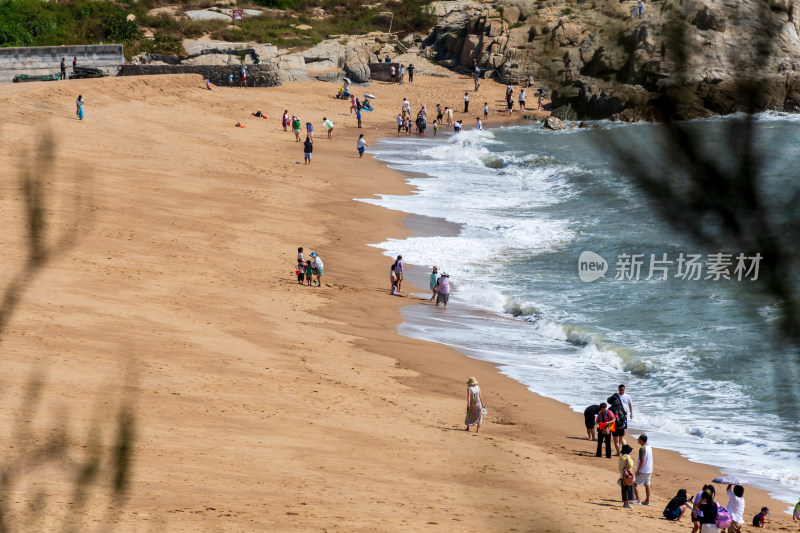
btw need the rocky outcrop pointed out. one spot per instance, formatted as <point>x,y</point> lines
<point>553,123</point>
<point>618,62</point>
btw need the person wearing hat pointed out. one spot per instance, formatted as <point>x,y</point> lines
<point>434,281</point>
<point>626,475</point>
<point>761,518</point>
<point>317,268</point>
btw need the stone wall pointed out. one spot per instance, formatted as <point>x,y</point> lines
<point>41,60</point>
<point>264,75</point>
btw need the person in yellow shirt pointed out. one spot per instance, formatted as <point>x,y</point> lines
<point>626,475</point>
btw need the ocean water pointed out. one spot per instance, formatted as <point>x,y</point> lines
<point>698,356</point>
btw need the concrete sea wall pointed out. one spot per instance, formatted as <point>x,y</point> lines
<point>41,60</point>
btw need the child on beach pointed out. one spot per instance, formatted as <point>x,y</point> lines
<point>761,519</point>
<point>486,110</point>
<point>300,272</point>
<point>736,508</point>
<point>358,117</point>
<point>352,103</point>
<point>309,130</point>
<point>309,271</point>
<point>408,125</point>
<point>466,102</point>
<point>208,84</point>
<point>435,128</point>
<point>230,80</point>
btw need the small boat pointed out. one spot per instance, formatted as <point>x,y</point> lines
<point>46,77</point>
<point>79,72</point>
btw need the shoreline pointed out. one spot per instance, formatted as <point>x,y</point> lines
<point>263,405</point>
<point>417,320</point>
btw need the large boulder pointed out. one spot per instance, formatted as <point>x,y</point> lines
<point>608,59</point>
<point>468,50</point>
<point>553,123</point>
<point>356,65</point>
<point>709,20</point>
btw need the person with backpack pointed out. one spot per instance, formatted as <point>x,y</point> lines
<point>644,469</point>
<point>736,508</point>
<point>626,476</point>
<point>623,413</point>
<point>474,405</point>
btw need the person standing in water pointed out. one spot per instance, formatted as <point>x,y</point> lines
<point>433,282</point>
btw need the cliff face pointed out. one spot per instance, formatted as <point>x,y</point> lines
<point>623,66</point>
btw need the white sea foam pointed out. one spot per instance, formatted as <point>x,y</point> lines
<point>507,202</point>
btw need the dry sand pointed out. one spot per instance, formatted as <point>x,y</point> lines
<point>261,405</point>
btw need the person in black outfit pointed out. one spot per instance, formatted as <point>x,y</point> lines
<point>63,69</point>
<point>589,416</point>
<point>308,147</point>
<point>604,435</point>
<point>410,73</point>
<point>709,510</point>
<point>677,506</point>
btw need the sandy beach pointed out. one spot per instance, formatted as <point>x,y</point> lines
<point>262,405</point>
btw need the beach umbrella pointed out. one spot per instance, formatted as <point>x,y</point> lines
<point>730,480</point>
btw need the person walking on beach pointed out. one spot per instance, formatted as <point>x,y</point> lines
<point>736,508</point>
<point>63,68</point>
<point>296,127</point>
<point>243,77</point>
<point>434,279</point>
<point>400,123</point>
<point>474,405</point>
<point>361,144</point>
<point>411,73</point>
<point>285,119</point>
<point>393,72</point>
<point>352,104</point>
<point>393,280</point>
<point>522,97</point>
<point>358,116</point>
<point>589,416</point>
<point>406,107</point>
<point>640,5</point>
<point>400,73</point>
<point>317,268</point>
<point>79,107</point>
<point>398,269</point>
<point>644,469</point>
<point>448,113</point>
<point>439,113</point>
<point>309,273</point>
<point>308,147</point>
<point>677,507</point>
<point>443,289</point>
<point>697,512</point>
<point>486,110</point>
<point>626,476</point>
<point>466,102</point>
<point>328,125</point>
<point>604,420</point>
<point>539,100</point>
<point>309,130</point>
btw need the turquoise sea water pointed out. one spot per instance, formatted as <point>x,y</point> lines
<point>698,356</point>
